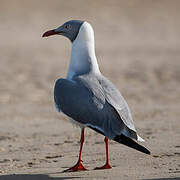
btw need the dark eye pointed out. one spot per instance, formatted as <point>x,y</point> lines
<point>68,26</point>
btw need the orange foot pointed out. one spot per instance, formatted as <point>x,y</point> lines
<point>106,166</point>
<point>78,167</point>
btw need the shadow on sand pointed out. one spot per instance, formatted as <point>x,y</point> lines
<point>173,178</point>
<point>47,177</point>
<point>33,177</point>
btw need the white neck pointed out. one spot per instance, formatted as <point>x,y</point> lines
<point>83,58</point>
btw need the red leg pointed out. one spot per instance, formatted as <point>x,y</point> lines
<point>79,166</point>
<point>107,164</point>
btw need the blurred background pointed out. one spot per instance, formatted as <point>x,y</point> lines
<point>137,46</point>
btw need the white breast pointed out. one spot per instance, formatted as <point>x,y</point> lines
<point>83,56</point>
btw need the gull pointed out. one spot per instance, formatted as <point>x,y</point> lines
<point>88,98</point>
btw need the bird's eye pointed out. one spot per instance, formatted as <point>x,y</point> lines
<point>68,26</point>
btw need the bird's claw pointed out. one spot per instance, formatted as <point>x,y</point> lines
<point>78,167</point>
<point>106,166</point>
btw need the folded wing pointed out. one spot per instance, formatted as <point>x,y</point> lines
<point>95,103</point>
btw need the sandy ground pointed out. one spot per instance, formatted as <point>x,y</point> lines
<point>138,48</point>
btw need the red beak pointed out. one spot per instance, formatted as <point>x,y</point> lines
<point>49,33</point>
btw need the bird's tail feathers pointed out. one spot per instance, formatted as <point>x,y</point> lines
<point>131,143</point>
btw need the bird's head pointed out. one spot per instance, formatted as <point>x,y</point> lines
<point>69,29</point>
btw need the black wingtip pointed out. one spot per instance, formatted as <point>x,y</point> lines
<point>131,143</point>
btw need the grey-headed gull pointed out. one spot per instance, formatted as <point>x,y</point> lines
<point>88,98</point>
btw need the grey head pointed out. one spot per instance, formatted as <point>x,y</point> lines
<point>69,29</point>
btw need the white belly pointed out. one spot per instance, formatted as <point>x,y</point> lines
<point>77,124</point>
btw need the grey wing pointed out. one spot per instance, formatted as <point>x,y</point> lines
<point>84,102</point>
<point>76,101</point>
<point>108,96</point>
<point>114,97</point>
